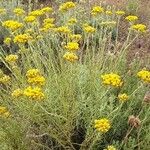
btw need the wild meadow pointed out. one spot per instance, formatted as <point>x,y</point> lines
<point>67,81</point>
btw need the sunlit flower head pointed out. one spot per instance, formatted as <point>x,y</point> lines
<point>69,56</point>
<point>7,41</point>
<point>120,12</point>
<point>112,79</point>
<point>47,9</point>
<point>11,58</point>
<point>63,29</point>
<point>102,125</point>
<point>67,6</point>
<point>19,11</point>
<point>88,29</point>
<point>123,97</point>
<point>144,75</point>
<point>37,80</point>
<point>5,79</point>
<point>139,27</point>
<point>108,12</point>
<point>75,37</point>
<point>36,13</point>
<point>29,18</point>
<point>22,38</point>
<point>97,10</point>
<point>17,93</point>
<point>131,18</point>
<point>110,147</point>
<point>72,46</point>
<point>32,73</point>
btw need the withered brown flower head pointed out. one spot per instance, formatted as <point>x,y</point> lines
<point>134,121</point>
<point>147,97</point>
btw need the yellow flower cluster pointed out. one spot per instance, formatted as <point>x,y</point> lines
<point>144,75</point>
<point>2,11</point>
<point>36,13</point>
<point>63,29</point>
<point>112,79</point>
<point>110,147</point>
<point>11,58</point>
<point>47,9</point>
<point>4,112</point>
<point>139,27</point>
<point>69,56</point>
<point>75,37</point>
<point>5,79</point>
<point>108,12</point>
<point>19,11</point>
<point>97,10</point>
<point>29,18</point>
<point>88,28</point>
<point>17,93</point>
<point>22,38</point>
<point>72,21</point>
<point>66,6</point>
<point>102,125</point>
<point>120,13</point>
<point>35,78</point>
<point>131,18</point>
<point>123,97</point>
<point>12,25</point>
<point>72,46</point>
<point>34,93</point>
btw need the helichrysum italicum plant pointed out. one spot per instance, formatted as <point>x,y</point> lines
<point>66,76</point>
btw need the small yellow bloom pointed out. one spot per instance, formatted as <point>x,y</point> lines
<point>63,29</point>
<point>38,80</point>
<point>89,29</point>
<point>131,18</point>
<point>72,46</point>
<point>17,93</point>
<point>29,18</point>
<point>3,110</point>
<point>36,13</point>
<point>123,97</point>
<point>2,11</point>
<point>12,25</point>
<point>48,20</point>
<point>72,21</point>
<point>112,79</point>
<point>72,57</point>
<point>139,27</point>
<point>66,6</point>
<point>108,12</point>
<point>75,37</point>
<point>11,58</point>
<point>34,93</point>
<point>19,11</point>
<point>120,12</point>
<point>7,41</point>
<point>102,125</point>
<point>110,147</point>
<point>47,9</point>
<point>144,75</point>
<point>5,79</point>
<point>22,38</point>
<point>97,10</point>
<point>32,73</point>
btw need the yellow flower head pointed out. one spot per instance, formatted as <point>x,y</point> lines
<point>110,147</point>
<point>112,79</point>
<point>34,93</point>
<point>66,6</point>
<point>12,25</point>
<point>37,80</point>
<point>120,12</point>
<point>19,11</point>
<point>102,125</point>
<point>47,9</point>
<point>69,56</point>
<point>48,20</point>
<point>11,58</point>
<point>144,75</point>
<point>139,27</point>
<point>22,38</point>
<point>75,37</point>
<point>123,97</point>
<point>72,21</point>
<point>72,46</point>
<point>2,110</point>
<point>131,18</point>
<point>29,18</point>
<point>108,12</point>
<point>32,73</point>
<point>17,93</point>
<point>63,29</point>
<point>88,29</point>
<point>5,79</point>
<point>36,13</point>
<point>7,41</point>
<point>2,11</point>
<point>97,10</point>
